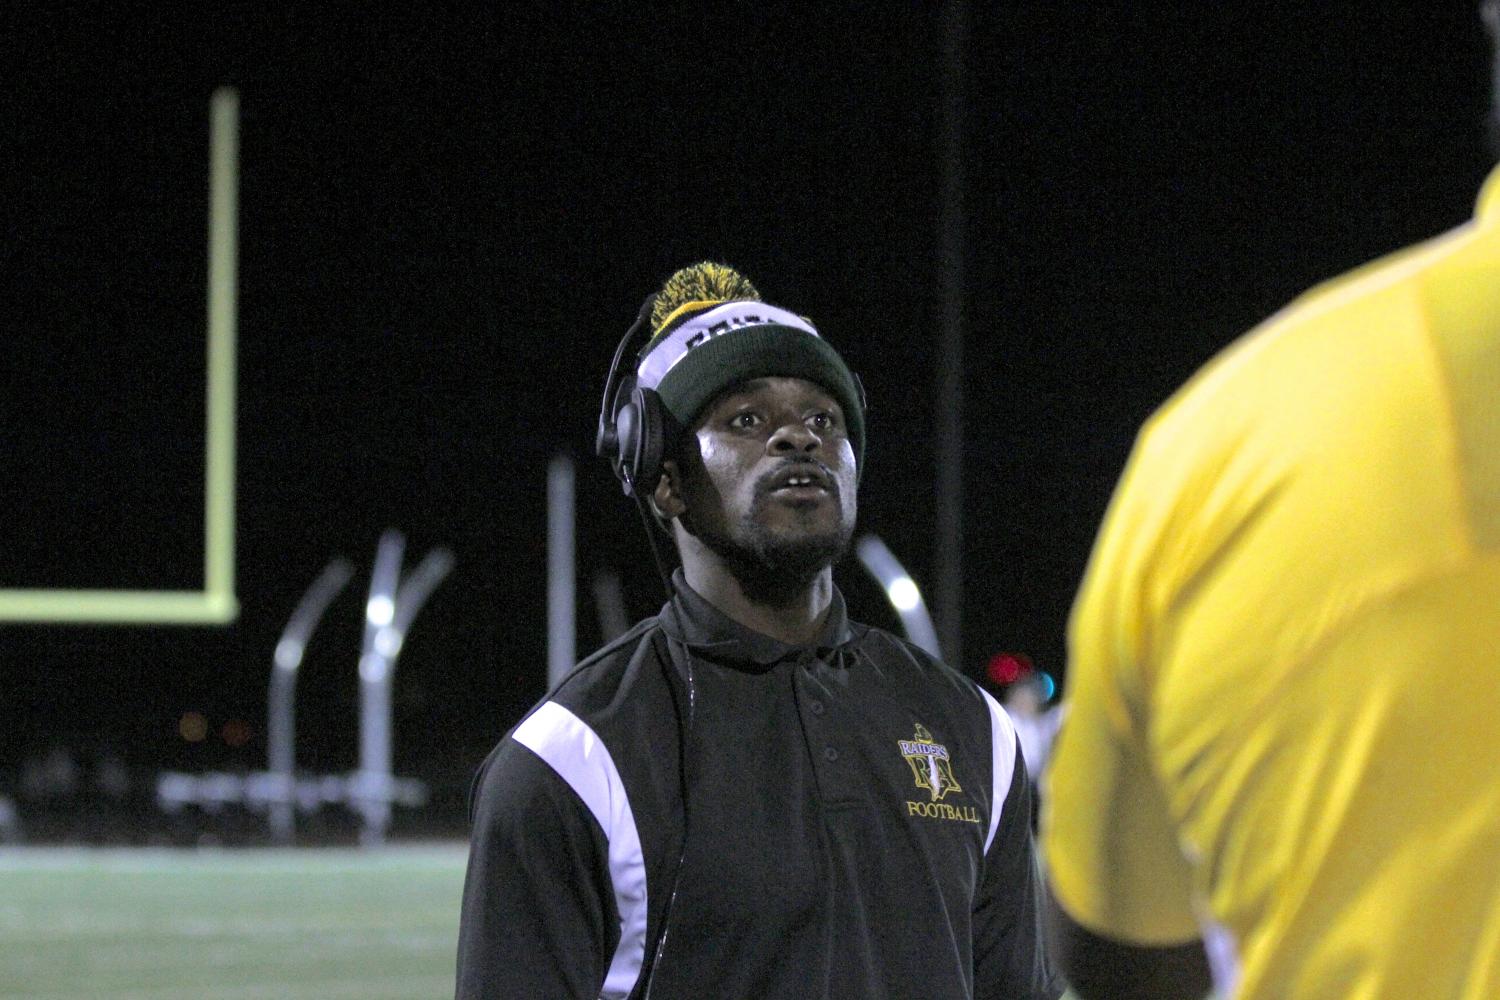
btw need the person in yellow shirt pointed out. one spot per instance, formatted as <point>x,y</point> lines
<point>1281,758</point>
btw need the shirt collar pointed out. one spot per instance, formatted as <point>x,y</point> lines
<point>1488,209</point>
<point>705,629</point>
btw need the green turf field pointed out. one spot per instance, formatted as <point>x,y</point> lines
<point>236,925</point>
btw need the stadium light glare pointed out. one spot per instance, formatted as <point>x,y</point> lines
<point>373,668</point>
<point>900,589</point>
<point>380,610</point>
<point>904,594</point>
<point>388,642</point>
<point>288,654</point>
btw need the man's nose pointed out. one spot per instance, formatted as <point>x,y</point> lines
<point>793,435</point>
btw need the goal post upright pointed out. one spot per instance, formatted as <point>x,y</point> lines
<point>216,603</point>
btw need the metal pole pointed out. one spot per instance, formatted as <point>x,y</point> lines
<point>609,601</point>
<point>950,357</point>
<point>413,593</point>
<point>901,590</point>
<point>392,607</point>
<point>281,718</point>
<point>562,624</point>
<point>373,781</point>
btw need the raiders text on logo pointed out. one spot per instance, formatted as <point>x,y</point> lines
<point>933,770</point>
<point>724,326</point>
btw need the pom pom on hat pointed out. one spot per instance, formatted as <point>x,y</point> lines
<point>696,287</point>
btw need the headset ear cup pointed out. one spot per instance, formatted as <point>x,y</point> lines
<point>649,446</point>
<point>627,431</point>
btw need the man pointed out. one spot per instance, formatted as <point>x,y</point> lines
<point>749,795</point>
<point>1036,722</point>
<point>1283,695</point>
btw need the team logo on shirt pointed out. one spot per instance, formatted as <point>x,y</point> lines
<point>932,767</point>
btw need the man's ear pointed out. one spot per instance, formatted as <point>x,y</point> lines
<point>667,499</point>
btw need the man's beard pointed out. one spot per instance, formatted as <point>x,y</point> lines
<point>773,570</point>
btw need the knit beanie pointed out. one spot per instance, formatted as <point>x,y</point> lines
<point>711,332</point>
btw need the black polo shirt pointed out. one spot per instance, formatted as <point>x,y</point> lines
<point>704,811</point>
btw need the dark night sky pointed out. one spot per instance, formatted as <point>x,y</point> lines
<point>448,220</point>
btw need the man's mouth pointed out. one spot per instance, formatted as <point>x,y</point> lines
<point>800,483</point>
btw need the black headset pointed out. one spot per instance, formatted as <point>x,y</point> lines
<point>633,423</point>
<point>632,436</point>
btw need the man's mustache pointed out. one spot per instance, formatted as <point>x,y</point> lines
<point>767,483</point>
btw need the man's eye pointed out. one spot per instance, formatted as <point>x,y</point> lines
<point>822,421</point>
<point>744,420</point>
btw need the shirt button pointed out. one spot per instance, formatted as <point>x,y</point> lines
<point>815,707</point>
<point>830,754</point>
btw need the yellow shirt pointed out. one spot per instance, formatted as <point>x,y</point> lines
<point>1284,678</point>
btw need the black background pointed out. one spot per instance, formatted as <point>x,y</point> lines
<point>447,220</point>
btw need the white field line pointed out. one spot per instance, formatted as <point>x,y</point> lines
<point>237,948</point>
<point>215,862</point>
<point>19,927</point>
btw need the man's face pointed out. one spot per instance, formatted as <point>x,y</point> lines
<point>771,483</point>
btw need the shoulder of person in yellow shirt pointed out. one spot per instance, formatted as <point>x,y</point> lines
<point>1178,462</point>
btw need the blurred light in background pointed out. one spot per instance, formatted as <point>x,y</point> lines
<point>380,610</point>
<point>904,594</point>
<point>236,732</point>
<point>193,727</point>
<point>1007,668</point>
<point>388,642</point>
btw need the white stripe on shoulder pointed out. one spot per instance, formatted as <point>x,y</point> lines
<point>580,758</point>
<point>1003,750</point>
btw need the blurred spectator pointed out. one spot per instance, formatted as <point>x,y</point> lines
<point>109,776</point>
<point>53,775</point>
<point>10,822</point>
<point>1036,721</point>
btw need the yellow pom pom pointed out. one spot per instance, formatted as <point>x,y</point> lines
<point>696,286</point>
